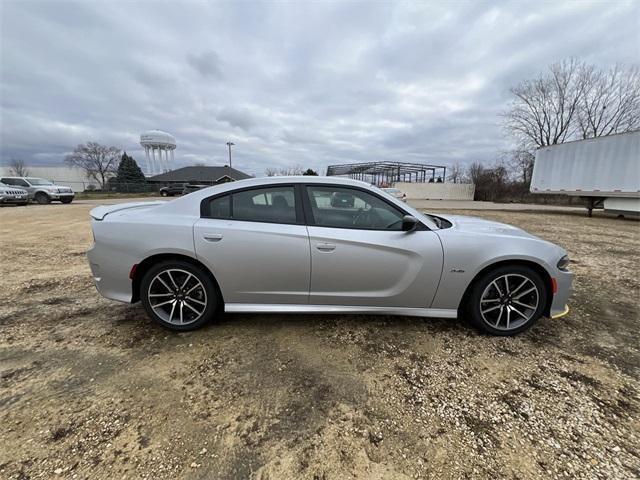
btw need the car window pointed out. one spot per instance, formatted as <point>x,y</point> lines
<point>341,207</point>
<point>15,181</point>
<point>38,181</point>
<point>220,207</point>
<point>273,204</point>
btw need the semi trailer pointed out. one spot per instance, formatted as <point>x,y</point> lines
<point>603,171</point>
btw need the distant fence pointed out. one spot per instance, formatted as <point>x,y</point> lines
<point>437,191</point>
<point>88,186</point>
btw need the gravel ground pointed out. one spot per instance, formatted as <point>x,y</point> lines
<point>92,389</point>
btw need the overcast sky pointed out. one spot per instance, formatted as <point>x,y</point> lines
<point>290,82</point>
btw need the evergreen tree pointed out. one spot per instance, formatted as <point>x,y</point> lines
<point>129,176</point>
<point>310,172</point>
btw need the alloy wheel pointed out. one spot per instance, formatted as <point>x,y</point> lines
<point>509,301</point>
<point>177,297</point>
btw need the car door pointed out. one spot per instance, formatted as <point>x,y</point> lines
<point>360,256</point>
<point>256,244</point>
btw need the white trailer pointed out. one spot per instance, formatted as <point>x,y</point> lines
<point>604,171</point>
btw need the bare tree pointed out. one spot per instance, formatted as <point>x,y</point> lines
<point>98,161</point>
<point>294,170</point>
<point>519,163</point>
<point>18,168</point>
<point>610,102</point>
<point>475,172</point>
<point>455,173</point>
<point>544,110</point>
<point>270,172</point>
<point>574,100</point>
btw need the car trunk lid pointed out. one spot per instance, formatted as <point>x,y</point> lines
<point>99,213</point>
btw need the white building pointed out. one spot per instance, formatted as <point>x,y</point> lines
<point>158,146</point>
<point>61,175</point>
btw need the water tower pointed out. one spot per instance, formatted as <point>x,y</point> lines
<point>158,145</point>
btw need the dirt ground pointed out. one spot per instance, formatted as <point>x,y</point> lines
<point>90,388</point>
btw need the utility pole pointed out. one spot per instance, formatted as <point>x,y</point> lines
<point>230,144</point>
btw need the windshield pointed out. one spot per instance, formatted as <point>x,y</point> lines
<point>38,181</point>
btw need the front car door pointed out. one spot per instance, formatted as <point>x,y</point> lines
<point>256,244</point>
<point>360,256</point>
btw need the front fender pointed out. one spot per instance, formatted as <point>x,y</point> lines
<point>467,254</point>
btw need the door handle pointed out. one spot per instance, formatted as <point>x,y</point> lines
<point>213,237</point>
<point>325,247</point>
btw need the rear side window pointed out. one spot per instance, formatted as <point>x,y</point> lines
<point>274,205</point>
<point>220,207</point>
<point>14,181</point>
<point>271,205</point>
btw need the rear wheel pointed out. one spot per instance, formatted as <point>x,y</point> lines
<point>42,198</point>
<point>178,295</point>
<point>507,300</point>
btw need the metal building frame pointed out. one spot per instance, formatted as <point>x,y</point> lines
<point>378,173</point>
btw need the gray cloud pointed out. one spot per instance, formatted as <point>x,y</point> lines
<point>237,117</point>
<point>309,84</point>
<point>206,63</point>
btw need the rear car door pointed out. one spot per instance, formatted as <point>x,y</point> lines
<point>256,244</point>
<point>360,256</point>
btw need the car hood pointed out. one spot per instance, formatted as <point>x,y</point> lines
<point>482,226</point>
<point>53,185</point>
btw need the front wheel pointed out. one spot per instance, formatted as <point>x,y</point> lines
<point>42,198</point>
<point>507,300</point>
<point>66,200</point>
<point>178,295</point>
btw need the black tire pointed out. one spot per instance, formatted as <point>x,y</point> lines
<point>66,200</point>
<point>207,292</point>
<point>42,198</point>
<point>508,303</point>
<point>164,194</point>
<point>23,204</point>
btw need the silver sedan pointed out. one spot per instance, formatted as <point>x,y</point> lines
<point>314,245</point>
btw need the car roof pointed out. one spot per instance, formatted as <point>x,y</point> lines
<point>299,179</point>
<point>266,181</point>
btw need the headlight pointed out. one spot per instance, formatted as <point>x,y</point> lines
<point>563,263</point>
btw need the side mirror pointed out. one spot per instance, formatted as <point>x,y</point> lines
<point>409,223</point>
